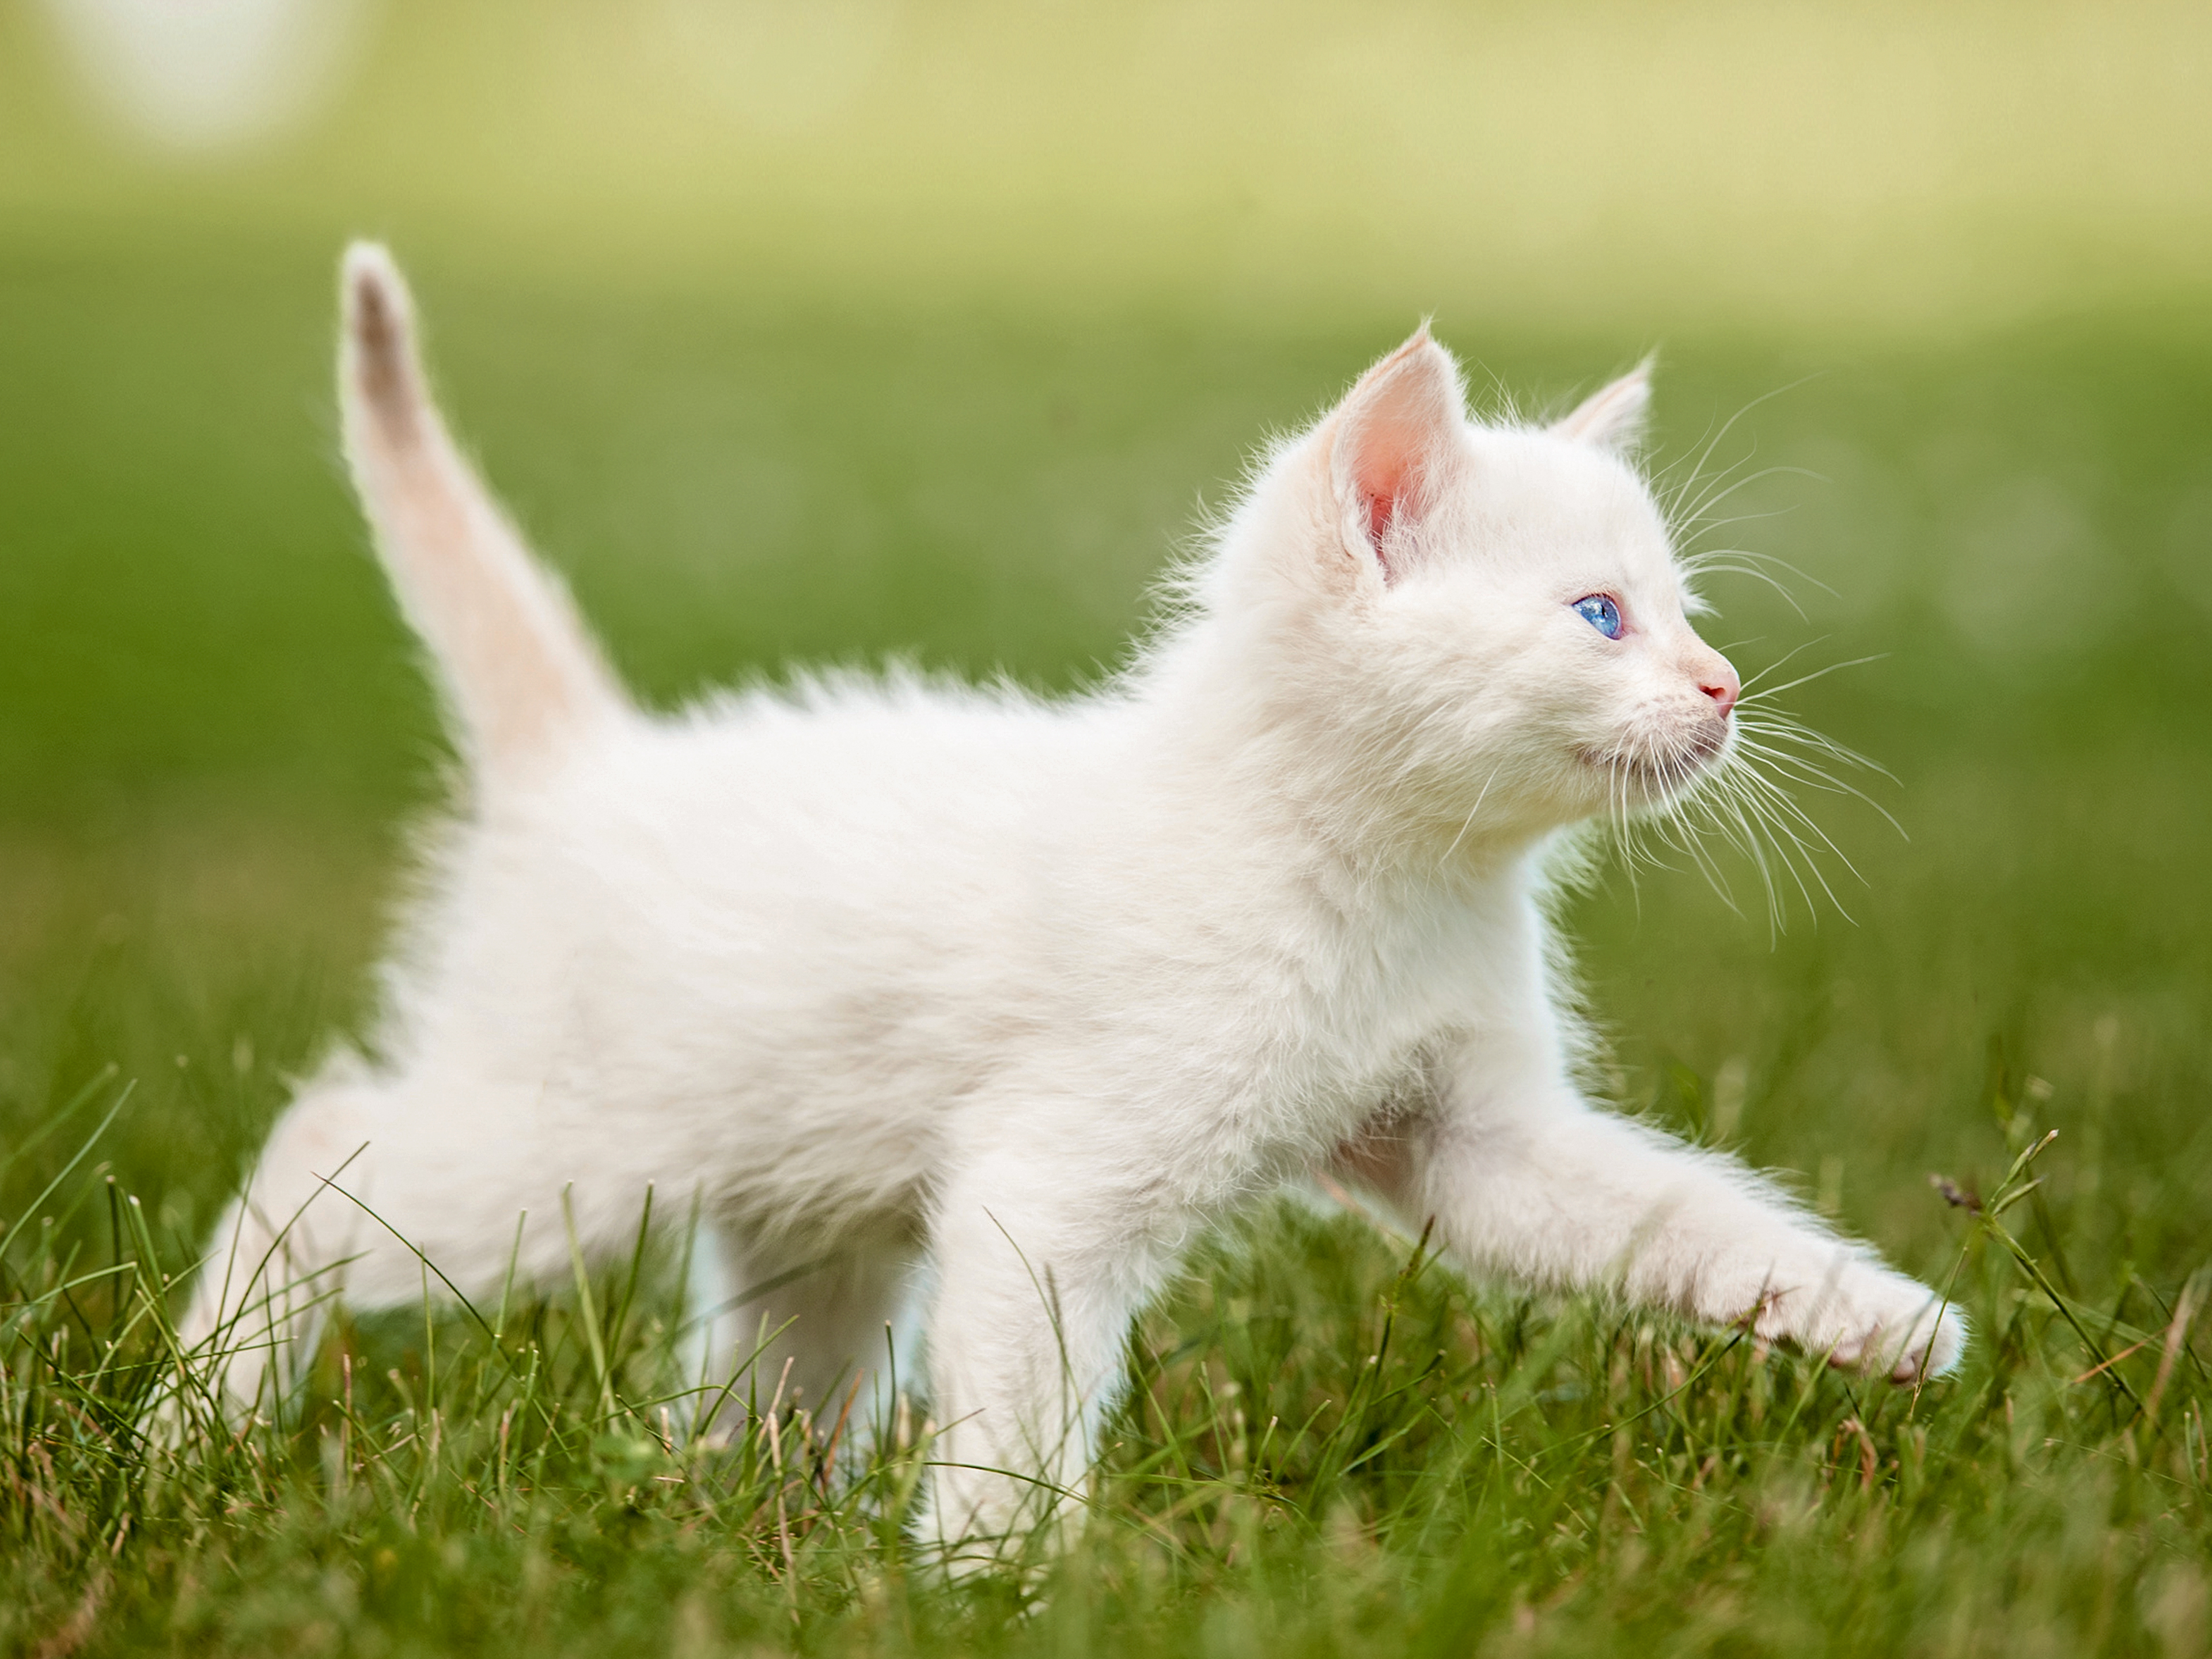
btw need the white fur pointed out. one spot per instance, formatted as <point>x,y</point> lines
<point>878,971</point>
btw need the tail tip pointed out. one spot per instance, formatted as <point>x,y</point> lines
<point>379,331</point>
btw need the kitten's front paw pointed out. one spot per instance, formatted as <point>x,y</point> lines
<point>1863,1317</point>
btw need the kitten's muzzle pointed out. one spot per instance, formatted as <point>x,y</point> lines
<point>1657,768</point>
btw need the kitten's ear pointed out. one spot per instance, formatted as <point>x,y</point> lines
<point>1393,437</point>
<point>1612,417</point>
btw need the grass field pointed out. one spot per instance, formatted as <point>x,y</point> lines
<point>212,739</point>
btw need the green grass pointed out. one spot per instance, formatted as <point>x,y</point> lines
<point>211,738</point>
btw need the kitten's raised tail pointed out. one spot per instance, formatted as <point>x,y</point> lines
<point>520,672</point>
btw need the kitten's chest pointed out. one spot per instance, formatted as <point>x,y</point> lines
<point>1349,1025</point>
<point>1365,1032</point>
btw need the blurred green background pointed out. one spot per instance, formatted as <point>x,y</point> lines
<point>825,331</point>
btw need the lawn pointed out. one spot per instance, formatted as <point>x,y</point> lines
<point>213,741</point>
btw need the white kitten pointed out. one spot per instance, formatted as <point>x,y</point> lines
<point>883,972</point>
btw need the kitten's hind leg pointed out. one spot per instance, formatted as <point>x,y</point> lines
<point>380,1192</point>
<point>820,1328</point>
<point>279,1257</point>
<point>706,1341</point>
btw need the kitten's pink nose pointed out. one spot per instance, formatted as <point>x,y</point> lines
<point>1719,682</point>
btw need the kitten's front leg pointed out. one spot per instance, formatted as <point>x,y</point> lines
<point>1531,1182</point>
<point>1039,1274</point>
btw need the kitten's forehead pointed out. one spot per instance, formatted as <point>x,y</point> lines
<point>1533,484</point>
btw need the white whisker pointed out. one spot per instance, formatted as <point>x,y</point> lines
<point>1818,673</point>
<point>1481,795</point>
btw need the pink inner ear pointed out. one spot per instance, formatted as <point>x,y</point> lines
<point>1399,422</point>
<point>1381,509</point>
<point>1383,491</point>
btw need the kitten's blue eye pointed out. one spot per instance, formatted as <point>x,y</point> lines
<point>1600,613</point>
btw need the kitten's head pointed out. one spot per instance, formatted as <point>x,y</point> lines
<point>1490,618</point>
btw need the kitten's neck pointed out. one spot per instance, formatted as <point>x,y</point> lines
<point>1245,750</point>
